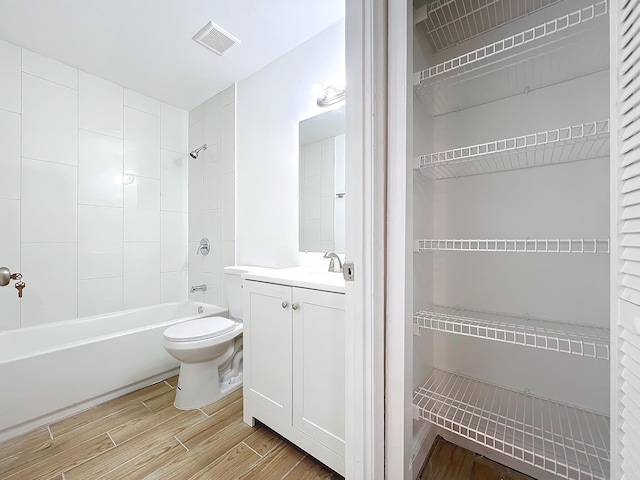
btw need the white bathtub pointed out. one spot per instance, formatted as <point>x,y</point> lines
<point>51,371</point>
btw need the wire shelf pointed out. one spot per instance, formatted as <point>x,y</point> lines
<point>449,22</point>
<point>562,49</point>
<point>570,442</point>
<point>575,339</point>
<point>546,245</point>
<point>561,145</point>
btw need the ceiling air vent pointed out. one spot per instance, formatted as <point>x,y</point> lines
<point>215,38</point>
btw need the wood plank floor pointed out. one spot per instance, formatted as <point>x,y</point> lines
<point>451,462</point>
<point>143,436</point>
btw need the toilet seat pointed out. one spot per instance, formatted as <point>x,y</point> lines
<point>199,329</point>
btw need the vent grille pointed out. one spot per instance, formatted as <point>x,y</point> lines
<point>215,38</point>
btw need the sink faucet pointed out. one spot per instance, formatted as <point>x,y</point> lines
<point>332,266</point>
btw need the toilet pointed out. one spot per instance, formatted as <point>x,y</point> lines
<point>210,350</point>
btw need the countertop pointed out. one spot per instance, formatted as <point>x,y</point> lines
<point>302,277</point>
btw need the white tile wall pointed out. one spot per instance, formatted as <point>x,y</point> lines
<point>141,143</point>
<point>174,129</point>
<point>174,242</point>
<point>100,105</point>
<point>49,202</point>
<point>100,170</point>
<point>10,77</point>
<point>141,274</point>
<point>49,121</point>
<point>212,194</point>
<point>142,210</point>
<point>50,273</point>
<point>47,68</point>
<point>141,102</point>
<point>99,295</point>
<point>87,237</point>
<point>174,181</point>
<point>9,155</point>
<point>174,286</point>
<point>100,245</point>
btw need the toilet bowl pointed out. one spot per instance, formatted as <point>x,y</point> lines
<point>210,351</point>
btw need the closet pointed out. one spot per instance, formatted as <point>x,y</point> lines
<point>511,227</point>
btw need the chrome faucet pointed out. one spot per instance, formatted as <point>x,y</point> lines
<point>198,288</point>
<point>332,266</point>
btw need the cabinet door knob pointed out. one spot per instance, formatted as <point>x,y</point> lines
<point>294,306</point>
<point>285,304</point>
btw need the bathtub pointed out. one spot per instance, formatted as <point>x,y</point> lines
<point>51,371</point>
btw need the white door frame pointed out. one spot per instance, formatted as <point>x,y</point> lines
<point>365,236</point>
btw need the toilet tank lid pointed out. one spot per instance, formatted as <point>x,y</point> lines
<point>199,329</point>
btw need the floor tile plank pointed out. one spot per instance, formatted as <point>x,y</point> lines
<point>161,401</point>
<point>59,463</point>
<point>448,462</point>
<point>211,426</point>
<point>276,464</point>
<point>147,462</point>
<point>173,381</point>
<point>108,408</point>
<point>263,441</point>
<point>205,453</point>
<point>135,427</point>
<point>223,402</point>
<point>230,465</point>
<point>309,469</point>
<point>136,446</point>
<point>70,439</point>
<point>24,442</point>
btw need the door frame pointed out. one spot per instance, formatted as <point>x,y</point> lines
<point>366,68</point>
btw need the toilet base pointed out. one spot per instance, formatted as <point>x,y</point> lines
<point>199,383</point>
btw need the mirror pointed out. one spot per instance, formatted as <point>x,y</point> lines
<point>321,182</point>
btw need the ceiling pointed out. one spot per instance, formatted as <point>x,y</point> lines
<point>146,45</point>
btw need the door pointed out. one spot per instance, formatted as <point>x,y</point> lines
<point>319,366</point>
<point>267,347</point>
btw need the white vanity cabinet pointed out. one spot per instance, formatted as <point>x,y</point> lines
<point>294,366</point>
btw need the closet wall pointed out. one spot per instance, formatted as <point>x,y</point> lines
<point>511,349</point>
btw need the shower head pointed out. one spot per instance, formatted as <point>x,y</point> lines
<point>194,153</point>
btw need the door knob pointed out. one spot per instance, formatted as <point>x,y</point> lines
<point>294,306</point>
<point>285,304</point>
<point>5,276</point>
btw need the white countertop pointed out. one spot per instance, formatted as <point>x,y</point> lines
<point>299,277</point>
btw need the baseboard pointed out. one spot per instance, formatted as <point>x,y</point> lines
<point>63,413</point>
<point>422,443</point>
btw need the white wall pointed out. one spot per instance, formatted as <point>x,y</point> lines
<point>212,194</point>
<point>270,104</point>
<point>93,193</point>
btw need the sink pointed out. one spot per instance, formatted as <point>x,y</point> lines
<point>300,277</point>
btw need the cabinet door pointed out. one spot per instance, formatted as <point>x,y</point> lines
<point>319,366</point>
<point>267,347</point>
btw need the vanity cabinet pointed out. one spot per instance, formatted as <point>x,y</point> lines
<point>294,366</point>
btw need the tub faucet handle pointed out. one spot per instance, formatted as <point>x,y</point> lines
<point>20,286</point>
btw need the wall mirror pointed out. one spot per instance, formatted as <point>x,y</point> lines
<point>321,182</point>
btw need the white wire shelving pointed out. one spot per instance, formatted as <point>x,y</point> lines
<point>449,22</point>
<point>575,339</point>
<point>546,245</point>
<point>560,145</point>
<point>567,47</point>
<point>568,441</point>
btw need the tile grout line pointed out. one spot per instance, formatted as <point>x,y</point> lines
<point>202,412</point>
<point>178,440</point>
<point>291,469</point>
<point>168,384</point>
<point>112,441</point>
<point>146,406</point>
<point>246,445</point>
<point>50,433</point>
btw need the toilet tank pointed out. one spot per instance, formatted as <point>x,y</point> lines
<point>233,284</point>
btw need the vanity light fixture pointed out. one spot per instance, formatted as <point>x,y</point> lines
<point>329,96</point>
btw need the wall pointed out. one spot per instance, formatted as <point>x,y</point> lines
<point>212,194</point>
<point>93,193</point>
<point>271,102</point>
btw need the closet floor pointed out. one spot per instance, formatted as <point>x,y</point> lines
<point>142,435</point>
<point>451,462</point>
